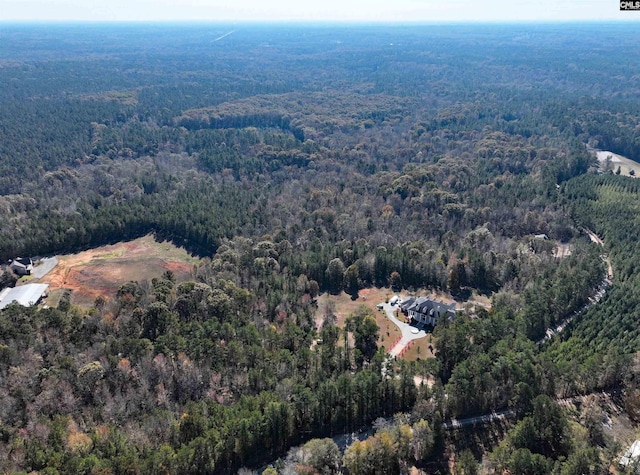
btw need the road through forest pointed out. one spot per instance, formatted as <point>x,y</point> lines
<point>594,299</point>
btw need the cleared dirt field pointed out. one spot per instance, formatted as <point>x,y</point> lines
<point>101,271</point>
<point>625,164</point>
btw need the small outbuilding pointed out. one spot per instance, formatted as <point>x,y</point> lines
<point>26,295</point>
<point>22,266</point>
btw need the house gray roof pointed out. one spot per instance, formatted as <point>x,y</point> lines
<point>434,308</point>
<point>406,303</point>
<point>26,295</point>
<point>22,262</point>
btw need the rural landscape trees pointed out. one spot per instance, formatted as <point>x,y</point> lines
<point>294,162</point>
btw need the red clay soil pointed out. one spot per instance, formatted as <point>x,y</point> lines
<point>101,271</point>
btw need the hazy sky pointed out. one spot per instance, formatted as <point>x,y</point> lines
<point>317,10</point>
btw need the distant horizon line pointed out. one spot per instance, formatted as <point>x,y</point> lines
<point>303,22</point>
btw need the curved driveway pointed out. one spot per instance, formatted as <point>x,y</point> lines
<point>405,328</point>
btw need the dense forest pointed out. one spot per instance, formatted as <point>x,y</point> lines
<point>302,160</point>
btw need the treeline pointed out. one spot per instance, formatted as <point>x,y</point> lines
<point>608,205</point>
<point>193,377</point>
<point>299,161</point>
<point>265,120</point>
<point>492,362</point>
<point>197,218</point>
<point>226,371</point>
<point>612,128</point>
<point>449,224</point>
<point>544,442</point>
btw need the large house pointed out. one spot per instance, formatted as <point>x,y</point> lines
<point>22,266</point>
<point>427,311</point>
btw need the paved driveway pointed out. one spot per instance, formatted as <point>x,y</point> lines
<point>45,266</point>
<point>406,329</point>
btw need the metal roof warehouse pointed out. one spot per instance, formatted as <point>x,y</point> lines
<point>26,295</point>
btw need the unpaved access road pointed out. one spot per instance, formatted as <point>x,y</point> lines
<point>594,299</point>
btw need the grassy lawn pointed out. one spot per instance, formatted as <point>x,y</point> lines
<point>25,279</point>
<point>419,349</point>
<point>389,333</point>
<point>53,299</point>
<point>343,306</point>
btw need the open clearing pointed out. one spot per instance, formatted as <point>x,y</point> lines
<point>101,271</point>
<point>625,164</point>
<point>563,250</point>
<point>420,349</point>
<point>342,306</point>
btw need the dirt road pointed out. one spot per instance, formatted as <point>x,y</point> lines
<point>594,299</point>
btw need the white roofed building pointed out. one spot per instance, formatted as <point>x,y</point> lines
<point>25,295</point>
<point>631,458</point>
